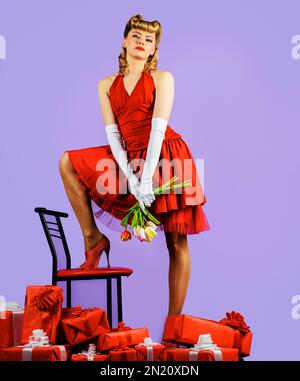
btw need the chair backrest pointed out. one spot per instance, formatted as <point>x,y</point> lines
<point>56,238</point>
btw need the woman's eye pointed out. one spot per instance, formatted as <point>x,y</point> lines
<point>148,40</point>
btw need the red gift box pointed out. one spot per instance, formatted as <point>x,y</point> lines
<point>80,325</point>
<point>184,354</point>
<point>65,313</point>
<point>96,357</point>
<point>44,353</point>
<point>123,353</point>
<point>185,329</point>
<point>150,353</point>
<point>11,325</point>
<point>128,338</point>
<point>42,311</point>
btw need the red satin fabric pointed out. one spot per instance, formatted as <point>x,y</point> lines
<point>42,310</point>
<point>177,212</point>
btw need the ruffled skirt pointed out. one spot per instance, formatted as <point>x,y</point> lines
<point>178,211</point>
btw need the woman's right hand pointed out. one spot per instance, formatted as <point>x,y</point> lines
<point>134,187</point>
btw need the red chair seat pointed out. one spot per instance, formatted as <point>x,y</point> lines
<point>78,272</point>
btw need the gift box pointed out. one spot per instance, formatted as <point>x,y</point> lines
<point>42,310</point>
<point>185,329</point>
<point>44,353</point>
<point>204,350</point>
<point>128,338</point>
<point>96,357</point>
<point>65,313</point>
<point>11,325</point>
<point>150,351</point>
<point>187,354</point>
<point>37,348</point>
<point>123,353</point>
<point>80,325</point>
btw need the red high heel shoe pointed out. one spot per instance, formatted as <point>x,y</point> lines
<point>93,254</point>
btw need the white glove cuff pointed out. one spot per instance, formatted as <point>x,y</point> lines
<point>116,144</point>
<point>157,134</point>
<point>159,125</point>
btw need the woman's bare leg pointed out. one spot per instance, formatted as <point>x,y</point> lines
<point>80,202</point>
<point>179,274</point>
<point>179,271</point>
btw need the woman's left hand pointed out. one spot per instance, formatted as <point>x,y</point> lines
<point>146,195</point>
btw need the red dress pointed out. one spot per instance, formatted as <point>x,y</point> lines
<point>177,212</point>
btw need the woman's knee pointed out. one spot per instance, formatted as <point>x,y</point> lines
<point>65,163</point>
<point>175,241</point>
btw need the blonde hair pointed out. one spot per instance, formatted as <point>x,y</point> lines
<point>137,22</point>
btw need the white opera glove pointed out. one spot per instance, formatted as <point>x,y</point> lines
<point>120,154</point>
<point>157,135</point>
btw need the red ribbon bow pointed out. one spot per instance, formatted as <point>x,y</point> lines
<point>121,327</point>
<point>121,347</point>
<point>236,321</point>
<point>76,313</point>
<point>81,313</point>
<point>48,299</point>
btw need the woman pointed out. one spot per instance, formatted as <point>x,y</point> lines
<point>136,105</point>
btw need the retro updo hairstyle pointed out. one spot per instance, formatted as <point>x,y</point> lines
<point>137,22</point>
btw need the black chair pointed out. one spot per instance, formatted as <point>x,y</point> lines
<point>56,237</point>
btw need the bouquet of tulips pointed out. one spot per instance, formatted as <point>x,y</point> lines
<point>144,224</point>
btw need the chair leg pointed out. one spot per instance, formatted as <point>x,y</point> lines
<point>109,301</point>
<point>69,296</point>
<point>119,293</point>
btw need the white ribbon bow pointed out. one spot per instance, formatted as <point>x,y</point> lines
<point>90,353</point>
<point>206,346</point>
<point>149,343</point>
<point>38,339</point>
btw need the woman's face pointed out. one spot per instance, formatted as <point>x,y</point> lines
<point>140,44</point>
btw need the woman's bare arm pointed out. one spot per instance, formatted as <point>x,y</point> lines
<point>106,110</point>
<point>164,95</point>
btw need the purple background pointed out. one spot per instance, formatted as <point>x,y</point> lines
<point>237,107</point>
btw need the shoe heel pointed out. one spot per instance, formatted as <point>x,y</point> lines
<point>107,255</point>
